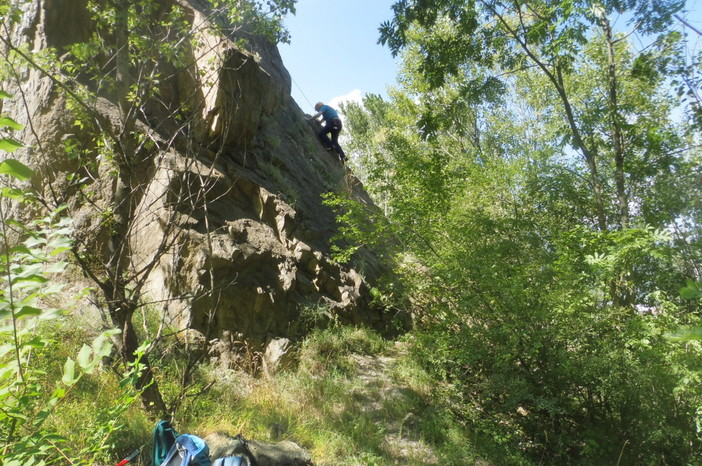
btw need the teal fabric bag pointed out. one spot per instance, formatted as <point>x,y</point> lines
<point>164,438</point>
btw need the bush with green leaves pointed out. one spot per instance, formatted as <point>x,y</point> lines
<point>547,328</point>
<point>30,255</point>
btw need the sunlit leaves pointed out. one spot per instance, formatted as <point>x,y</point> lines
<point>91,356</point>
<point>15,168</point>
<point>693,290</point>
<point>7,122</point>
<point>69,372</point>
<point>25,269</point>
<point>9,145</point>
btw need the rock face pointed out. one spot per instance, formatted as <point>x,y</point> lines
<point>237,190</point>
<point>283,453</point>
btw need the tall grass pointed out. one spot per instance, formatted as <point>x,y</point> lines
<point>352,398</point>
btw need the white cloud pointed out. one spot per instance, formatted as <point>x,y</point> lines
<point>354,96</point>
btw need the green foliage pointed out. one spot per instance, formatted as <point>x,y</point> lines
<point>693,290</point>
<point>29,395</point>
<point>265,18</point>
<point>479,48</point>
<point>9,144</point>
<point>541,361</point>
<point>26,270</point>
<point>356,227</point>
<point>546,328</point>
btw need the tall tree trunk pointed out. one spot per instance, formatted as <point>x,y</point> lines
<point>151,398</point>
<point>122,65</point>
<point>589,155</point>
<point>123,203</point>
<point>615,120</point>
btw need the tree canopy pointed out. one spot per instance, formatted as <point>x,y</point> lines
<point>541,189</point>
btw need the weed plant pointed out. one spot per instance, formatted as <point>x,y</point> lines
<point>336,402</point>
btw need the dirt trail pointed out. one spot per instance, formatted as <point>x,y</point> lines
<point>380,395</point>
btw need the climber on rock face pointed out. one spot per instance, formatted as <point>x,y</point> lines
<point>332,125</point>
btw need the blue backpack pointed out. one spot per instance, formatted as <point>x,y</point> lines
<point>171,449</point>
<point>188,450</point>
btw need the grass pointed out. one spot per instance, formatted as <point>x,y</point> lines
<point>95,408</point>
<point>353,398</point>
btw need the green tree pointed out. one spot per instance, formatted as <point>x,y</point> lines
<point>545,325</point>
<point>457,37</point>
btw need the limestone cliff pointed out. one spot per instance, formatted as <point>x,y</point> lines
<point>232,177</point>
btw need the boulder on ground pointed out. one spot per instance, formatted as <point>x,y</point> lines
<point>283,453</point>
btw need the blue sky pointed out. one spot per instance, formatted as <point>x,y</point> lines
<point>334,50</point>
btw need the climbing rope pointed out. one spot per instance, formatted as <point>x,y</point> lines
<point>301,92</point>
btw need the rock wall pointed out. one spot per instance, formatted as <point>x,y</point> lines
<point>236,191</point>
